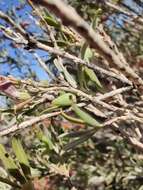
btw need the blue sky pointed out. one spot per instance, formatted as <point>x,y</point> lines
<point>23,56</point>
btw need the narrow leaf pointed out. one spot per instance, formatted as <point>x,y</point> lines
<point>10,165</point>
<point>85,116</point>
<point>86,52</point>
<point>72,119</point>
<point>90,73</point>
<point>46,139</point>
<point>67,75</point>
<point>51,21</point>
<point>21,156</point>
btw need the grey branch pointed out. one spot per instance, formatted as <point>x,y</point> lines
<point>70,17</point>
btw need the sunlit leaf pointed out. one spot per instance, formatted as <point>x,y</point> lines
<point>86,52</point>
<point>64,100</point>
<point>52,21</point>
<point>85,116</point>
<point>10,165</point>
<point>72,119</point>
<point>24,95</point>
<point>92,76</point>
<point>21,156</point>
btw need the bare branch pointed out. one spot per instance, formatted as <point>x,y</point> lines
<point>114,92</point>
<point>27,123</point>
<point>17,27</point>
<point>120,9</point>
<point>69,17</point>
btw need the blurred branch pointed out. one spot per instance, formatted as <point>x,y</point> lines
<point>63,54</point>
<point>83,94</point>
<point>16,26</point>
<point>69,17</point>
<point>114,92</point>
<point>44,66</point>
<point>135,18</point>
<point>132,140</point>
<point>27,123</point>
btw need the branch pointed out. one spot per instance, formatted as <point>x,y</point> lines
<point>123,11</point>
<point>80,93</point>
<point>44,66</point>
<point>69,17</point>
<point>27,123</point>
<point>13,23</point>
<point>63,54</point>
<point>77,60</point>
<point>114,92</point>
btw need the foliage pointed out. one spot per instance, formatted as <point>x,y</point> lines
<point>81,127</point>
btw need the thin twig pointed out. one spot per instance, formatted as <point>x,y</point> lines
<point>44,66</point>
<point>120,9</point>
<point>132,140</point>
<point>64,54</point>
<point>70,17</point>
<point>77,60</point>
<point>81,93</point>
<point>114,92</point>
<point>16,26</point>
<point>27,123</point>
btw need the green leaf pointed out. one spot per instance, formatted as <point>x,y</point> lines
<point>64,100</point>
<point>67,75</point>
<point>90,73</point>
<point>85,116</point>
<point>46,139</point>
<point>86,53</point>
<point>21,156</point>
<point>10,165</point>
<point>72,119</point>
<point>7,160</point>
<point>51,21</point>
<point>81,77</point>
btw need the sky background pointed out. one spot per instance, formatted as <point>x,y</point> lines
<point>23,56</point>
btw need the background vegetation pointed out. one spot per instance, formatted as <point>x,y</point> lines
<point>71,95</point>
